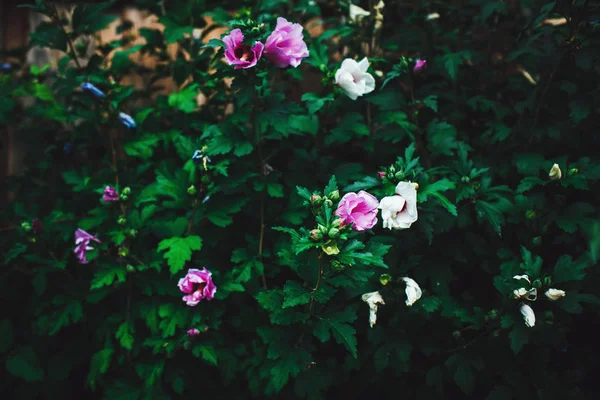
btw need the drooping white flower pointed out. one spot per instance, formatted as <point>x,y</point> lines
<point>555,172</point>
<point>413,291</point>
<point>555,294</point>
<point>528,315</point>
<point>354,79</point>
<point>372,299</point>
<point>357,13</point>
<point>519,277</point>
<point>530,294</point>
<point>400,211</point>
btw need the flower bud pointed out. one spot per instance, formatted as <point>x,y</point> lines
<point>123,197</point>
<point>333,233</point>
<point>316,200</point>
<point>537,284</point>
<point>123,251</point>
<point>392,170</point>
<point>536,241</point>
<point>133,233</point>
<point>205,179</point>
<point>335,195</point>
<point>399,175</point>
<point>130,268</point>
<point>419,65</point>
<point>465,179</point>
<point>328,203</point>
<point>547,281</point>
<point>476,185</point>
<point>26,226</point>
<point>456,335</point>
<point>416,185</point>
<point>32,239</point>
<point>555,294</point>
<point>573,171</point>
<point>493,314</point>
<point>121,220</point>
<point>316,235</point>
<point>381,174</point>
<point>528,315</point>
<point>330,248</point>
<point>126,190</point>
<point>384,279</point>
<point>192,190</point>
<point>193,332</point>
<point>555,172</point>
<point>322,229</point>
<point>530,214</point>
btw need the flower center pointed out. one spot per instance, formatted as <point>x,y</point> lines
<point>244,53</point>
<point>198,286</point>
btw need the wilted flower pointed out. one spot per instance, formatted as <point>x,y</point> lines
<point>400,211</point>
<point>528,315</point>
<point>239,54</point>
<point>519,277</point>
<point>413,291</point>
<point>193,332</point>
<point>419,65</point>
<point>354,79</point>
<point>330,249</point>
<point>82,241</point>
<point>110,194</point>
<point>197,285</point>
<point>530,294</point>
<point>127,120</point>
<point>358,210</point>
<point>372,299</point>
<point>357,13</point>
<point>555,172</point>
<point>555,294</point>
<point>285,45</point>
<point>92,89</point>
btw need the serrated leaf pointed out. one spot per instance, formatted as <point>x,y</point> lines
<point>179,250</point>
<point>208,353</point>
<point>24,363</point>
<point>123,334</point>
<point>107,276</point>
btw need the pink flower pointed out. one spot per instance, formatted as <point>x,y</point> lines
<point>193,332</point>
<point>197,285</point>
<point>360,210</point>
<point>82,241</point>
<point>419,65</point>
<point>110,194</point>
<point>241,55</point>
<point>381,174</point>
<point>285,45</point>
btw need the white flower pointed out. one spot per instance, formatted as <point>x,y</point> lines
<point>555,294</point>
<point>400,211</point>
<point>372,299</point>
<point>528,315</point>
<point>555,172</point>
<point>357,13</point>
<point>413,291</point>
<point>432,16</point>
<point>354,79</point>
<point>530,295</point>
<point>519,277</point>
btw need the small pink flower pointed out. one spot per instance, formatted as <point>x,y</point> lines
<point>197,285</point>
<point>193,332</point>
<point>360,210</point>
<point>239,54</point>
<point>110,194</point>
<point>285,45</point>
<point>381,174</point>
<point>419,65</point>
<point>82,241</point>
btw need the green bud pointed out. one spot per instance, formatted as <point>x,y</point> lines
<point>493,314</point>
<point>336,223</point>
<point>322,229</point>
<point>205,179</point>
<point>392,170</point>
<point>337,266</point>
<point>123,251</point>
<point>456,334</point>
<point>130,268</point>
<point>133,233</point>
<point>192,190</point>
<point>573,171</point>
<point>26,226</point>
<point>384,279</point>
<point>126,191</point>
<point>530,214</point>
<point>122,220</point>
<point>31,239</point>
<point>548,281</point>
<point>316,235</point>
<point>328,203</point>
<point>123,197</point>
<point>316,200</point>
<point>333,233</point>
<point>476,185</point>
<point>465,179</point>
<point>537,284</point>
<point>549,315</point>
<point>536,241</point>
<point>335,195</point>
<point>399,175</point>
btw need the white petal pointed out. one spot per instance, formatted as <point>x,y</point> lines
<point>357,13</point>
<point>369,83</point>
<point>519,277</point>
<point>372,299</point>
<point>528,315</point>
<point>518,293</point>
<point>413,291</point>
<point>555,294</point>
<point>363,65</point>
<point>346,82</point>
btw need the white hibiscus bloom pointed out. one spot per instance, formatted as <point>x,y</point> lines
<point>354,79</point>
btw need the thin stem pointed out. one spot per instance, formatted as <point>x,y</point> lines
<point>56,18</point>
<point>261,238</point>
<point>320,272</point>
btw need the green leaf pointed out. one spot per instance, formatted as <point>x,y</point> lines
<point>90,19</point>
<point>519,337</point>
<point>275,190</point>
<point>314,102</point>
<point>339,325</point>
<point>568,270</point>
<point>331,186</point>
<point>185,100</point>
<point>124,335</point>
<point>107,276</point>
<point>99,365</point>
<point>368,182</point>
<point>531,265</point>
<point>208,353</point>
<point>295,294</point>
<point>6,335</point>
<point>121,59</point>
<point>179,250</point>
<point>173,30</point>
<point>24,363</point>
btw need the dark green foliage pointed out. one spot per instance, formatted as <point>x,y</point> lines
<point>505,95</point>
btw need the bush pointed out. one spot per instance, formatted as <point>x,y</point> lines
<point>249,173</point>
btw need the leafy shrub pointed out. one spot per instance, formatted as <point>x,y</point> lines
<point>246,184</point>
